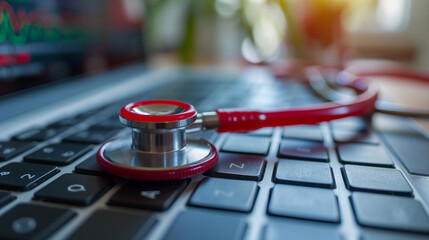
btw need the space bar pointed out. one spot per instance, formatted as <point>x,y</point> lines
<point>412,150</point>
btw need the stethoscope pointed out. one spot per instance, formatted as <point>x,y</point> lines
<point>159,148</point>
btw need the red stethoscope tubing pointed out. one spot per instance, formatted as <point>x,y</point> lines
<point>244,120</point>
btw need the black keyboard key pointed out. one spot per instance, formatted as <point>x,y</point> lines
<point>30,221</point>
<point>241,143</point>
<point>410,149</point>
<point>296,229</point>
<point>6,198</point>
<point>390,212</point>
<point>75,189</point>
<point>304,202</point>
<point>195,224</point>
<point>235,195</point>
<point>303,149</point>
<point>306,173</point>
<point>304,132</point>
<point>94,136</point>
<point>39,134</point>
<point>238,166</point>
<point>91,167</point>
<point>148,195</point>
<point>374,179</point>
<point>113,225</point>
<point>20,176</point>
<point>365,154</point>
<point>346,136</point>
<point>58,154</point>
<point>10,149</point>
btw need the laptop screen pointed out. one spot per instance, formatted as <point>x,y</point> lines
<point>42,41</point>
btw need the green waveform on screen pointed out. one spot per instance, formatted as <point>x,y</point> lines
<point>32,26</point>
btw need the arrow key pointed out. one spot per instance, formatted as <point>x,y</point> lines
<point>154,196</point>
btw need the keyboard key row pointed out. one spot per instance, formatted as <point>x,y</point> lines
<point>301,143</point>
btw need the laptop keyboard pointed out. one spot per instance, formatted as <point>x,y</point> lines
<point>329,181</point>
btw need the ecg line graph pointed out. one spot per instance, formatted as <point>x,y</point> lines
<point>21,27</point>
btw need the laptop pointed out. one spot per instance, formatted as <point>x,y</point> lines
<point>61,92</point>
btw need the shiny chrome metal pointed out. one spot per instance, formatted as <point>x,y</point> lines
<point>158,125</point>
<point>158,137</point>
<point>205,121</point>
<point>158,140</point>
<point>162,144</point>
<point>158,109</point>
<point>119,152</point>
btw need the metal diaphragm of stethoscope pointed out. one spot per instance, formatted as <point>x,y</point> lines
<point>159,148</point>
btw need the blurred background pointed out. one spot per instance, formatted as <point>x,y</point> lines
<point>42,41</point>
<point>48,39</point>
<point>363,34</point>
<point>330,32</point>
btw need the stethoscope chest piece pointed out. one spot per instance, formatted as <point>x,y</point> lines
<point>158,148</point>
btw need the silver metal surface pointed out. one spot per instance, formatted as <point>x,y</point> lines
<point>158,125</point>
<point>158,141</point>
<point>158,109</point>
<point>205,121</point>
<point>120,152</point>
<point>163,137</point>
<point>158,137</point>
